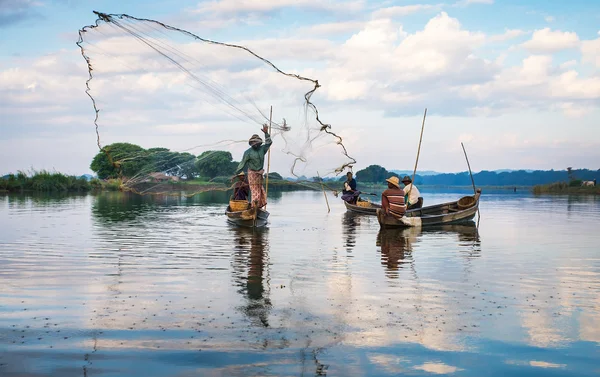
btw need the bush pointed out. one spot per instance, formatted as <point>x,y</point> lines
<point>575,183</point>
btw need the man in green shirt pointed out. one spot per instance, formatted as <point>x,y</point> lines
<point>254,160</point>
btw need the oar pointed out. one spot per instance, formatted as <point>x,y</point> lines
<point>418,152</point>
<point>268,159</point>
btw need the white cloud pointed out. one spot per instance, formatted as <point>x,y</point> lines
<point>266,6</point>
<point>590,51</point>
<point>332,28</point>
<point>508,35</point>
<point>403,10</point>
<point>464,3</point>
<point>549,19</point>
<point>548,41</point>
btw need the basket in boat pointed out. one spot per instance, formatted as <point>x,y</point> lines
<point>363,203</point>
<point>238,205</point>
<point>466,202</point>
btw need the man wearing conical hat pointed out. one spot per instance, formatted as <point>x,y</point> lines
<point>254,161</point>
<point>392,199</point>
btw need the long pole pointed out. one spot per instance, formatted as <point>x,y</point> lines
<point>324,194</point>
<point>418,152</point>
<point>469,165</point>
<point>269,156</point>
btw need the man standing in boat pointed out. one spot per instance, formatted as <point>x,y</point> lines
<point>254,160</point>
<point>411,194</point>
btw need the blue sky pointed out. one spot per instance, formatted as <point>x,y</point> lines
<point>517,81</point>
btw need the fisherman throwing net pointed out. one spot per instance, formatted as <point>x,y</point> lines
<point>166,100</point>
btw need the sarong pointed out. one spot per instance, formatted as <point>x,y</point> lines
<point>351,197</point>
<point>257,191</point>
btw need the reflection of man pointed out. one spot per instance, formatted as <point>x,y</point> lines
<point>395,245</point>
<point>256,287</point>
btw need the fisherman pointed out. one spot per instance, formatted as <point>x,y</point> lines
<point>241,190</point>
<point>411,194</point>
<point>349,193</point>
<point>392,199</point>
<point>254,160</point>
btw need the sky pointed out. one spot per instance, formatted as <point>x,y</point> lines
<point>518,82</point>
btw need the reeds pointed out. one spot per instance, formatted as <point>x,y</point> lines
<point>44,181</point>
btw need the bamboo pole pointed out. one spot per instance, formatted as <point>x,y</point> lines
<point>418,153</point>
<point>268,157</point>
<point>469,165</point>
<point>324,194</point>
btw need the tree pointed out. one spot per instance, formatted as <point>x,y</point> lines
<point>125,159</point>
<point>211,164</point>
<point>275,176</point>
<point>374,174</point>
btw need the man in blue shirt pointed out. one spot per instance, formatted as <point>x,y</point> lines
<point>349,193</point>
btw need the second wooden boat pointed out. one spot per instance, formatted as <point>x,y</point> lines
<point>459,211</point>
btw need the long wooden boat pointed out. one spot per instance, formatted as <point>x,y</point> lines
<point>459,211</point>
<point>370,210</point>
<point>250,218</point>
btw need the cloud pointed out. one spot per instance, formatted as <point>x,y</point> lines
<point>548,41</point>
<point>549,19</point>
<point>333,28</point>
<point>464,3</point>
<point>590,52</point>
<point>404,10</point>
<point>508,35</point>
<point>15,11</point>
<point>267,6</point>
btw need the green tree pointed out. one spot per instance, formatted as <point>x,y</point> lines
<point>374,174</point>
<point>211,164</point>
<point>275,176</point>
<point>127,160</point>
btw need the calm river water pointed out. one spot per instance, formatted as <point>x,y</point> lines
<point>119,285</point>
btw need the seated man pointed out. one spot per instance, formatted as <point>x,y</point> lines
<point>392,199</point>
<point>241,189</point>
<point>349,193</point>
<point>411,194</point>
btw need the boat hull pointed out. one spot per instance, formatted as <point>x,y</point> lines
<point>250,218</point>
<point>440,214</point>
<point>372,210</point>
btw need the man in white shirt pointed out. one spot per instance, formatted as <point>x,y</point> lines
<point>411,194</point>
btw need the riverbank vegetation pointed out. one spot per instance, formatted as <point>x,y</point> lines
<point>572,188</point>
<point>45,181</point>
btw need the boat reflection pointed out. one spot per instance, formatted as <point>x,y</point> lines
<point>251,257</point>
<point>350,223</point>
<point>397,244</point>
<point>396,247</point>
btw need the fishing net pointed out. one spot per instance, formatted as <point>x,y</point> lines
<point>169,104</point>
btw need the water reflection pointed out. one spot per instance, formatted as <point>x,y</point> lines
<point>396,245</point>
<point>251,256</point>
<point>350,223</point>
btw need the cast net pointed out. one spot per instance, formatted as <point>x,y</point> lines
<point>170,105</point>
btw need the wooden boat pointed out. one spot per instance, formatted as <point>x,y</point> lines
<point>250,218</point>
<point>370,210</point>
<point>459,211</point>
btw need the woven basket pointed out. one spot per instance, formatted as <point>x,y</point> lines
<point>365,204</point>
<point>238,205</point>
<point>466,202</point>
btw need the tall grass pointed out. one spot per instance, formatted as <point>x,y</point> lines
<point>44,181</point>
<point>565,188</point>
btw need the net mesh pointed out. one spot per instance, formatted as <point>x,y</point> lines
<point>170,105</point>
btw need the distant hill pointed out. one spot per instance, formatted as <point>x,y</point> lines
<point>422,173</point>
<point>87,177</point>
